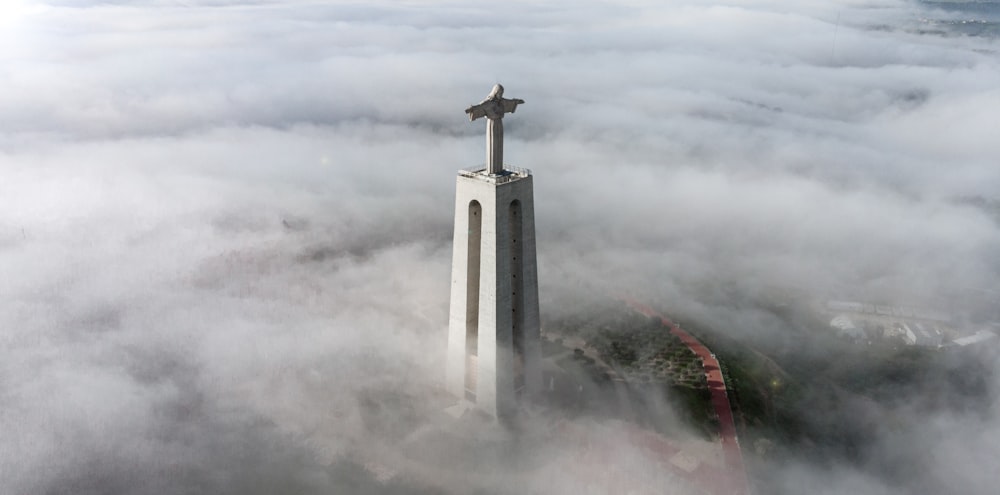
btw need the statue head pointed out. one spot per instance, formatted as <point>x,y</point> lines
<point>496,94</point>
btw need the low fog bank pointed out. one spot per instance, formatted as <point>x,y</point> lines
<point>226,226</point>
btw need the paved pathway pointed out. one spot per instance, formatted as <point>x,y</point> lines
<point>736,481</point>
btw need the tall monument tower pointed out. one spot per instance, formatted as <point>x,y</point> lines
<point>493,329</point>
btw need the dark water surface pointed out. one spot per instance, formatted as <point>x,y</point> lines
<point>973,18</point>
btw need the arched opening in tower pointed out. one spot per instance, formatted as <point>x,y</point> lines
<point>517,292</point>
<point>472,300</point>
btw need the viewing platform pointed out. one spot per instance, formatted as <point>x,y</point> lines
<point>508,174</point>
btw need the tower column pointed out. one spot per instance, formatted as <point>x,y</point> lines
<point>494,294</point>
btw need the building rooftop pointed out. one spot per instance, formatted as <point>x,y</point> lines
<point>980,336</point>
<point>889,311</point>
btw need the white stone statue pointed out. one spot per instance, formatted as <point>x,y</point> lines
<point>493,108</point>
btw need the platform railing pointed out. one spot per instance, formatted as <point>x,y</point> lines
<point>509,173</point>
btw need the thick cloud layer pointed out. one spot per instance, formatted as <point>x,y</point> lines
<point>224,222</point>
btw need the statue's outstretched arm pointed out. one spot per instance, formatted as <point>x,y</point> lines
<point>509,105</point>
<point>476,111</point>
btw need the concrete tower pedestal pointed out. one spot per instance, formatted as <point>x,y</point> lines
<point>493,330</point>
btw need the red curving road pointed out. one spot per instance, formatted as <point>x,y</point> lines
<point>735,483</point>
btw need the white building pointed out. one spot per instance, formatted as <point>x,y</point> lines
<point>976,338</point>
<point>921,334</point>
<point>845,327</point>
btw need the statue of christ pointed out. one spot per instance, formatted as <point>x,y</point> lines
<point>493,108</point>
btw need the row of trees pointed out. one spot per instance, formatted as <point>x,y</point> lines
<point>645,351</point>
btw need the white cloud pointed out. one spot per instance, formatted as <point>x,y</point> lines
<point>208,205</point>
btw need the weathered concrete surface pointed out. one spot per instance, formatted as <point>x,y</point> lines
<point>501,261</point>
